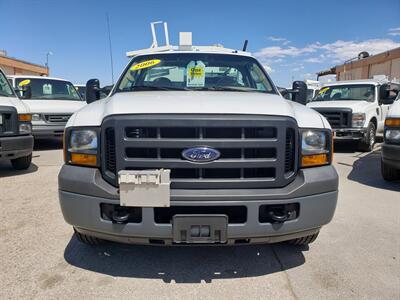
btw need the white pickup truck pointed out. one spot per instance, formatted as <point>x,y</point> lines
<point>195,145</point>
<point>16,141</point>
<point>390,164</point>
<point>51,101</point>
<point>356,109</point>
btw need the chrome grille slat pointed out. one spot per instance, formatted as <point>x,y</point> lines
<point>57,118</point>
<point>154,141</point>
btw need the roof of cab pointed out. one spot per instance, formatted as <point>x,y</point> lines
<point>216,49</point>
<point>359,81</point>
<point>33,76</point>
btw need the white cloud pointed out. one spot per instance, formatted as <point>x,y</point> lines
<point>278,51</point>
<point>340,50</point>
<point>313,60</point>
<point>336,52</point>
<point>394,31</point>
<point>279,39</point>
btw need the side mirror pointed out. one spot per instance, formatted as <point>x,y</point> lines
<point>384,92</point>
<point>387,101</point>
<point>299,92</point>
<point>92,90</point>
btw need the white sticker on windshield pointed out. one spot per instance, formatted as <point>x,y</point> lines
<point>47,89</point>
<point>195,74</point>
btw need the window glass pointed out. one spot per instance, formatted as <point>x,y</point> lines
<point>5,88</point>
<point>43,88</point>
<point>194,71</point>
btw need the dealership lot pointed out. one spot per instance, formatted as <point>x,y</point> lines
<point>356,255</point>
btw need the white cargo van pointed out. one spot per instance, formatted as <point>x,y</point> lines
<point>16,141</point>
<point>51,101</point>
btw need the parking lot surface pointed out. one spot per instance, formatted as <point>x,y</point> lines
<point>355,256</point>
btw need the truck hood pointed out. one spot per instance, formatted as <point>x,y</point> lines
<point>355,105</point>
<point>15,102</point>
<point>194,102</point>
<point>54,106</point>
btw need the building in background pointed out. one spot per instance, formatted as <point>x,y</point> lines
<point>13,66</point>
<point>385,64</point>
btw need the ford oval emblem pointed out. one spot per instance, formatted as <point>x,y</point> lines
<point>201,154</point>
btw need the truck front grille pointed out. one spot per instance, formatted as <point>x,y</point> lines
<point>9,121</point>
<point>256,151</point>
<point>59,118</point>
<point>337,117</point>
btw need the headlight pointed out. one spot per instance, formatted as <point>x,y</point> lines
<point>81,146</point>
<point>392,135</point>
<point>36,117</point>
<point>392,130</point>
<point>358,120</point>
<point>25,128</point>
<point>315,147</point>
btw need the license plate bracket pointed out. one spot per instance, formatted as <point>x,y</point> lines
<point>199,229</point>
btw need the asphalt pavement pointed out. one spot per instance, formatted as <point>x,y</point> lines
<point>356,256</point>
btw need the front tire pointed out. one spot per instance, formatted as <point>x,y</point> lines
<point>389,173</point>
<point>367,144</point>
<point>87,239</point>
<point>305,240</point>
<point>22,163</point>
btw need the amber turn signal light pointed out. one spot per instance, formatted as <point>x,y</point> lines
<point>25,118</point>
<point>83,159</point>
<point>314,160</point>
<point>393,122</point>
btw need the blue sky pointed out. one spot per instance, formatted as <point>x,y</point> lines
<point>293,39</point>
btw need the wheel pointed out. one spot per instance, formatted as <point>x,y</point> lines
<point>22,163</point>
<point>305,240</point>
<point>87,239</point>
<point>389,173</point>
<point>367,144</point>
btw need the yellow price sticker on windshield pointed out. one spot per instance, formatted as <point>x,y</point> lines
<point>24,82</point>
<point>145,64</point>
<point>196,72</point>
<point>323,90</point>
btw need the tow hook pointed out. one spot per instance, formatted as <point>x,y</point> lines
<point>279,213</point>
<point>120,217</point>
<point>280,216</point>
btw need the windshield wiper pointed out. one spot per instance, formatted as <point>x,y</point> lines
<point>156,88</point>
<point>228,88</point>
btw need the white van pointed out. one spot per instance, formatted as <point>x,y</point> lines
<point>16,141</point>
<point>51,101</point>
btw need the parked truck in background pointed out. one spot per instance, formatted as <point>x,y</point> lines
<point>51,101</point>
<point>356,109</point>
<point>16,141</point>
<point>195,145</point>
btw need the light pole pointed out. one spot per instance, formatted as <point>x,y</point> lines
<point>47,60</point>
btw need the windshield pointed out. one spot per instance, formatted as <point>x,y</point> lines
<point>5,88</point>
<point>195,71</point>
<point>82,91</point>
<point>361,92</point>
<point>49,89</point>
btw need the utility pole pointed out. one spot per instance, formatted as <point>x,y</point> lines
<point>109,43</point>
<point>47,61</point>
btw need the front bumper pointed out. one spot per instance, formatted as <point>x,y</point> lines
<point>46,131</point>
<point>15,146</point>
<point>391,155</point>
<point>353,134</point>
<point>82,190</point>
